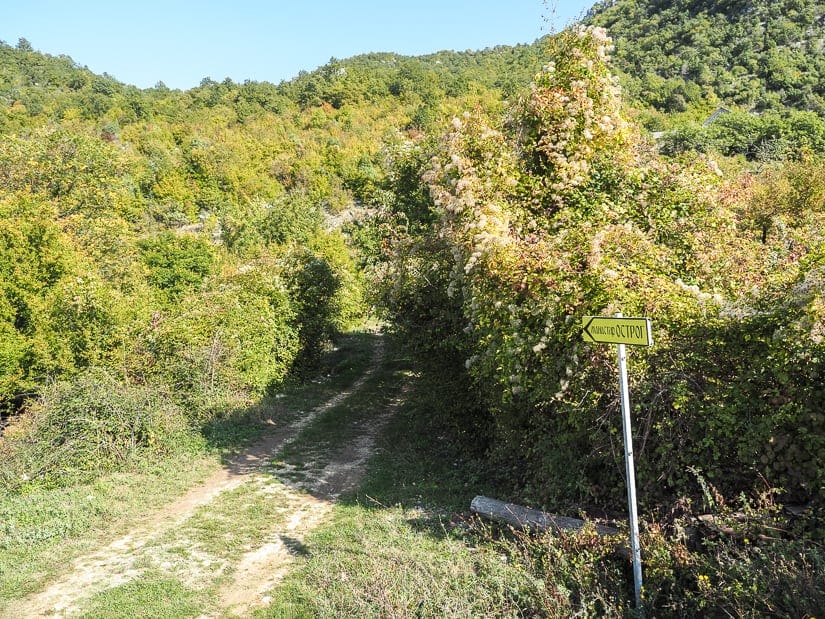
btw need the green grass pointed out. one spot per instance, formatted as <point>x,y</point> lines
<point>400,563</point>
<point>40,533</point>
<point>235,521</point>
<point>153,595</point>
<point>418,463</point>
<point>240,518</point>
<point>338,427</point>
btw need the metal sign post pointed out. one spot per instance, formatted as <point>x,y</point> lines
<point>620,331</point>
<point>631,476</point>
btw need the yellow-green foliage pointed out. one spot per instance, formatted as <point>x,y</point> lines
<point>36,263</point>
<point>235,335</point>
<point>174,240</point>
<point>562,210</point>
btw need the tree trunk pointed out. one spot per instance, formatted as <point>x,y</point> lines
<point>531,519</point>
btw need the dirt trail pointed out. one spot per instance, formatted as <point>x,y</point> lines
<point>303,507</point>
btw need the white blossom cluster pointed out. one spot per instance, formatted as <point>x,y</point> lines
<point>574,108</point>
<point>521,271</point>
<point>577,107</point>
<point>467,191</point>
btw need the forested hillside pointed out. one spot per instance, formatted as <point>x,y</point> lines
<point>168,257</point>
<point>759,54</point>
<point>142,226</point>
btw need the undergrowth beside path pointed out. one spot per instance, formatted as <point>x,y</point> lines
<point>405,545</point>
<point>188,525</point>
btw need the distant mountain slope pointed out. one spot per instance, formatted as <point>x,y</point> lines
<point>678,56</point>
<point>760,54</point>
<point>419,79</point>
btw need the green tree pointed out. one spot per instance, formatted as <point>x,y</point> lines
<point>176,263</point>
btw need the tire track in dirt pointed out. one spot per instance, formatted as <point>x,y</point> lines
<point>258,570</point>
<point>263,568</point>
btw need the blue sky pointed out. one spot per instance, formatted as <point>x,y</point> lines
<point>177,42</point>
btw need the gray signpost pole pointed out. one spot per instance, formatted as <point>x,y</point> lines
<point>631,474</point>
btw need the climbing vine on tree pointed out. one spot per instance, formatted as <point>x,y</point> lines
<point>561,209</point>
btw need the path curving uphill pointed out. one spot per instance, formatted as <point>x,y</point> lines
<point>183,539</point>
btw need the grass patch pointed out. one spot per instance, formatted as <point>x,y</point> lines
<point>412,470</point>
<point>347,361</point>
<point>42,532</point>
<point>398,564</point>
<point>151,595</point>
<point>235,522</point>
<point>418,464</point>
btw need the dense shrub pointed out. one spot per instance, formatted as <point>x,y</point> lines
<point>80,428</point>
<point>234,338</point>
<point>176,263</point>
<point>561,210</point>
<point>167,236</point>
<point>37,263</point>
<point>325,290</point>
<point>88,316</point>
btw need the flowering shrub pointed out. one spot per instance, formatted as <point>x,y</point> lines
<point>562,210</point>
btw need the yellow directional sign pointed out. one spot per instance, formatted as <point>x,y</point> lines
<point>617,330</point>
